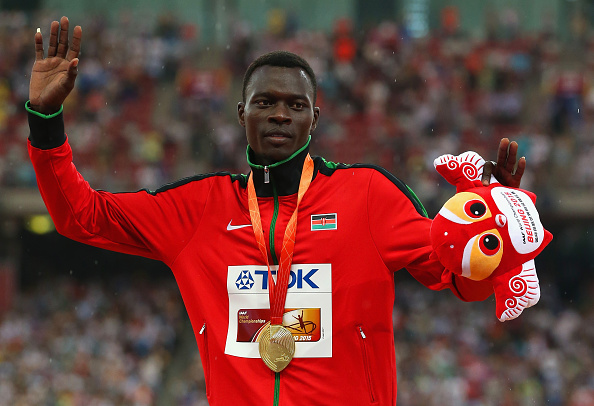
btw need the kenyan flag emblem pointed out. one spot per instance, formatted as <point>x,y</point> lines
<point>323,222</point>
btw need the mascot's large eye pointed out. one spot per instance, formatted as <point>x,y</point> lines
<point>466,208</point>
<point>489,244</point>
<point>482,254</point>
<point>475,209</point>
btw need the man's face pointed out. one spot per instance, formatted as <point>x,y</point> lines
<point>279,113</point>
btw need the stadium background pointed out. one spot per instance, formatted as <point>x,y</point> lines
<point>400,83</point>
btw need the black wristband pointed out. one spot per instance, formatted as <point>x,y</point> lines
<point>46,131</point>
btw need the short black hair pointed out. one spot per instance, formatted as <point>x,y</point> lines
<point>283,59</point>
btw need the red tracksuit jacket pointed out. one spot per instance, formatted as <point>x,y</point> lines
<point>357,225</point>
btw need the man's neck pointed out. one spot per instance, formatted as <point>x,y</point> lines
<point>263,160</point>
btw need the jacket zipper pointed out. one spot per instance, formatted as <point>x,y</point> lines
<point>266,174</point>
<point>366,364</point>
<point>202,332</point>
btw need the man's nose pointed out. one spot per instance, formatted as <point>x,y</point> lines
<point>280,114</point>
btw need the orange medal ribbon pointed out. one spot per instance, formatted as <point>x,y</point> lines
<point>277,292</point>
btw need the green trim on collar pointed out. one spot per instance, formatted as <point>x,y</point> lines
<point>28,108</point>
<point>330,164</point>
<point>256,166</point>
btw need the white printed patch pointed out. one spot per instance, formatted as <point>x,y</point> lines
<point>525,229</point>
<point>308,309</point>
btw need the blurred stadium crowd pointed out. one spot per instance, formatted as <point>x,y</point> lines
<point>151,106</point>
<point>65,343</point>
<point>96,344</point>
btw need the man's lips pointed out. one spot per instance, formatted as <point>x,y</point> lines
<point>278,134</point>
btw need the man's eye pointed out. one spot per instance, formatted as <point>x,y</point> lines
<point>262,102</point>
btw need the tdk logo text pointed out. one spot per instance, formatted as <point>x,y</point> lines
<point>303,278</point>
<point>297,279</point>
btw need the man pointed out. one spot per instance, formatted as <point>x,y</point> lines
<point>297,238</point>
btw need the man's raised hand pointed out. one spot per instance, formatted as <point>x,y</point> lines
<point>52,77</point>
<point>508,170</point>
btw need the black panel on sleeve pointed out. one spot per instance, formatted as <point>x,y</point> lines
<point>46,133</point>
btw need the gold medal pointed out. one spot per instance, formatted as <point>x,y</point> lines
<point>277,347</point>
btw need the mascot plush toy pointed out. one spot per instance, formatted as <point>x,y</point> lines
<point>491,233</point>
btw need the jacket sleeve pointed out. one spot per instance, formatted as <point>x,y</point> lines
<point>153,225</point>
<point>401,232</point>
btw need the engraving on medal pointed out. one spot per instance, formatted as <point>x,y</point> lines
<point>277,347</point>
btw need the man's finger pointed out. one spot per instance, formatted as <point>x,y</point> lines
<point>53,40</point>
<point>63,40</point>
<point>73,69</point>
<point>512,155</point>
<point>75,46</point>
<point>488,169</point>
<point>38,45</point>
<point>520,169</point>
<point>502,152</point>
<point>72,72</point>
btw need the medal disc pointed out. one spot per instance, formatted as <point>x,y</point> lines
<point>277,347</point>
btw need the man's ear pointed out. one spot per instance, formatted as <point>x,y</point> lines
<point>241,113</point>
<point>314,123</point>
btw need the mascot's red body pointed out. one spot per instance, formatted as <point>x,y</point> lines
<point>489,233</point>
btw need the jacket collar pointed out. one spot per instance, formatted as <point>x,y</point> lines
<point>284,175</point>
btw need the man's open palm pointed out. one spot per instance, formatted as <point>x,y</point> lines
<point>52,78</point>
